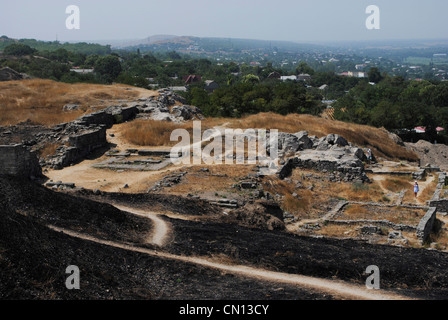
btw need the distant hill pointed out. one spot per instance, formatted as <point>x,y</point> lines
<point>208,44</point>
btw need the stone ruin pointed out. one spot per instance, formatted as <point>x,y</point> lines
<point>81,137</point>
<point>17,160</point>
<point>331,154</point>
<point>167,107</point>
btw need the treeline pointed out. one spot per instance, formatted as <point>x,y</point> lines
<point>251,97</point>
<point>396,104</point>
<point>81,47</point>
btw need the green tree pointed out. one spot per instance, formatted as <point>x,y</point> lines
<point>18,49</point>
<point>374,75</point>
<point>303,67</point>
<point>108,68</point>
<point>251,78</point>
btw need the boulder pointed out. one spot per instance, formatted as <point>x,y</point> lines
<point>70,107</point>
<point>8,74</point>
<point>304,141</point>
<point>395,235</point>
<point>335,139</point>
<point>288,143</point>
<point>359,153</point>
<point>186,112</point>
<point>322,144</point>
<point>370,229</point>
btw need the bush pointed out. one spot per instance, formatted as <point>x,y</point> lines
<point>18,49</point>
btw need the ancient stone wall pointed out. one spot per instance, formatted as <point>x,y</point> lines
<point>80,145</point>
<point>351,170</point>
<point>17,160</point>
<point>440,204</point>
<point>426,224</point>
<point>97,118</point>
<point>89,140</point>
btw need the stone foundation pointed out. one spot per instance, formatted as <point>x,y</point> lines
<point>17,160</point>
<point>426,224</point>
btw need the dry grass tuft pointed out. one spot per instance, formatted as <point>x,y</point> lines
<point>428,192</point>
<point>300,204</point>
<point>48,150</point>
<point>396,215</point>
<point>397,184</point>
<point>152,132</point>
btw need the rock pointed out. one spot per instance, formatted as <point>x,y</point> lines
<point>419,175</point>
<point>304,141</point>
<point>8,74</point>
<point>260,214</point>
<point>248,185</point>
<point>396,139</point>
<point>371,230</point>
<point>288,143</point>
<point>395,235</point>
<point>358,153</point>
<point>186,112</point>
<point>335,139</point>
<point>322,144</point>
<point>70,107</point>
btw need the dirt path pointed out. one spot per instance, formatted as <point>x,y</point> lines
<point>85,175</point>
<point>160,234</point>
<point>422,184</point>
<point>339,289</point>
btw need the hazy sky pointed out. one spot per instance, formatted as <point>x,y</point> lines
<point>294,20</point>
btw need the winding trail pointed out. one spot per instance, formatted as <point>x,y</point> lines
<point>338,289</point>
<point>160,234</point>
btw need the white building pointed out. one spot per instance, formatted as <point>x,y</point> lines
<point>285,78</point>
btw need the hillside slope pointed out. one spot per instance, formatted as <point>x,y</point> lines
<point>42,101</point>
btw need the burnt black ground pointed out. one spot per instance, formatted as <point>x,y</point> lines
<point>33,258</point>
<point>414,272</point>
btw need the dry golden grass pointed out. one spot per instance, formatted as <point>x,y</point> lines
<point>428,192</point>
<point>397,184</point>
<point>218,179</point>
<point>395,215</point>
<point>296,205</point>
<point>152,132</point>
<point>48,149</point>
<point>345,190</point>
<point>41,101</point>
<point>355,192</point>
<point>157,133</point>
<point>337,231</point>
